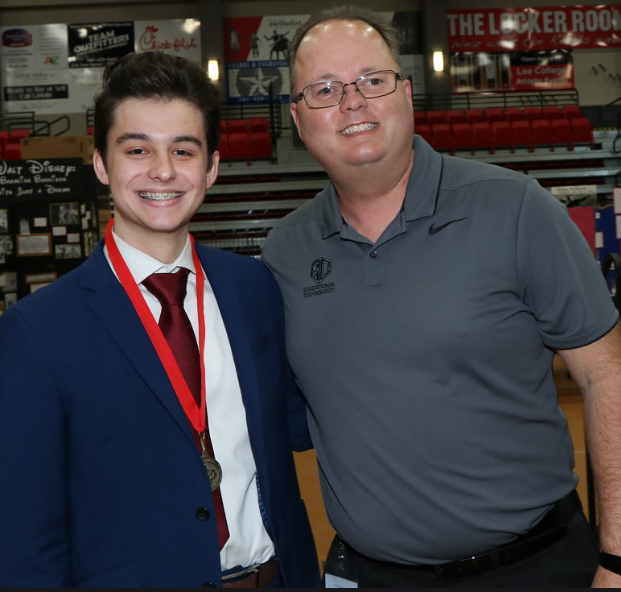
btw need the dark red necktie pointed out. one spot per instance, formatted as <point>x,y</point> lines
<point>170,290</point>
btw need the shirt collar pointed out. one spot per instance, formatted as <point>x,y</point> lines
<point>420,195</point>
<point>141,265</point>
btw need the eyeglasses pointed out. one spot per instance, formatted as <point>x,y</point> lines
<point>330,94</point>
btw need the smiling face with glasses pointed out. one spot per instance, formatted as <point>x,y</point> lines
<point>368,122</point>
<point>331,93</point>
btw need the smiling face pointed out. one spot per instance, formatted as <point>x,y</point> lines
<point>359,132</point>
<point>156,167</point>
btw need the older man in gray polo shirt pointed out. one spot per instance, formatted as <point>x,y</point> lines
<point>425,296</point>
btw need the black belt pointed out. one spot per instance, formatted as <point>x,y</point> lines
<point>257,576</point>
<point>549,530</point>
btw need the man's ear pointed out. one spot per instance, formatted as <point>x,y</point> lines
<point>212,173</point>
<point>100,168</point>
<point>293,108</point>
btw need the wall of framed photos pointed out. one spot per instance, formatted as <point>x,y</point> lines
<point>48,222</point>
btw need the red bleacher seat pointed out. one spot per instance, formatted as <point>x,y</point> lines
<point>18,134</point>
<point>434,117</point>
<point>502,134</point>
<point>260,145</point>
<point>13,151</point>
<point>420,117</point>
<point>474,115</point>
<point>542,134</point>
<point>462,137</point>
<point>571,112</point>
<point>236,126</point>
<point>482,136</point>
<point>442,137</point>
<point>513,114</point>
<point>551,112</point>
<point>522,134</point>
<point>560,130</point>
<point>424,131</point>
<point>258,124</point>
<point>239,146</point>
<point>533,113</point>
<point>4,137</point>
<point>582,130</point>
<point>455,116</point>
<point>494,114</point>
<point>224,149</point>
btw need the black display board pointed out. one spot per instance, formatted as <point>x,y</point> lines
<point>48,222</point>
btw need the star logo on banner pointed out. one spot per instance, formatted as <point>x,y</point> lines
<point>257,81</point>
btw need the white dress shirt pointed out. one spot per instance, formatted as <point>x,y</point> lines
<point>249,542</point>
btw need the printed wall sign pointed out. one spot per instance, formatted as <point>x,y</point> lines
<point>256,52</point>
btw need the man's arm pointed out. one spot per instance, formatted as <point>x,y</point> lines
<point>596,368</point>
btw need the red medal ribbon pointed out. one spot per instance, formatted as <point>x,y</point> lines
<point>195,414</point>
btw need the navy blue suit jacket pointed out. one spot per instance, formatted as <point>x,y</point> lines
<point>100,478</point>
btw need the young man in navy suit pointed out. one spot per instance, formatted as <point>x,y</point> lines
<point>118,469</point>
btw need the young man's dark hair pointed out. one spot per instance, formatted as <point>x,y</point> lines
<point>160,76</point>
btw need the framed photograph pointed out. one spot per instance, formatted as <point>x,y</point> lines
<point>68,251</point>
<point>8,281</point>
<point>10,299</point>
<point>64,214</point>
<point>34,245</point>
<point>40,278</point>
<point>4,220</point>
<point>6,247</point>
<point>35,287</point>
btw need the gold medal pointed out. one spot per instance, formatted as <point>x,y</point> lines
<point>214,470</point>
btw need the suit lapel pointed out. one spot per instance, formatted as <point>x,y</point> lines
<point>111,305</point>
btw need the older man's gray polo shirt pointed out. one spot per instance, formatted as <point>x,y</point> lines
<point>426,357</point>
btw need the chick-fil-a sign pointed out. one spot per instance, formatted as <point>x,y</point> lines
<point>515,29</point>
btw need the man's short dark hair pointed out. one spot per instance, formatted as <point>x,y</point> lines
<point>160,76</point>
<point>389,33</point>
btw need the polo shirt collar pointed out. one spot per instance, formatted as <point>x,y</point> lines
<point>422,191</point>
<point>420,195</point>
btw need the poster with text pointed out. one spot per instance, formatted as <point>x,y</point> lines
<point>534,28</point>
<point>41,47</point>
<point>180,37</point>
<point>256,52</point>
<point>517,70</point>
<point>96,45</point>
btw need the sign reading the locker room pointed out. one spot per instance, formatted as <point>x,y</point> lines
<point>517,29</point>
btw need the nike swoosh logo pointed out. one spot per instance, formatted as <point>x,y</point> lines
<point>434,229</point>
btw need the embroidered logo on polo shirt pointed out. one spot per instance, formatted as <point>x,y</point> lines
<point>435,229</point>
<point>320,269</point>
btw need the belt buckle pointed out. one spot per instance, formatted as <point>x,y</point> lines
<point>253,569</point>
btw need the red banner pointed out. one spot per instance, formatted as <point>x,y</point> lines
<point>516,29</point>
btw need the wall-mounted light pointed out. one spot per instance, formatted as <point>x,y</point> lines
<point>438,61</point>
<point>212,70</point>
